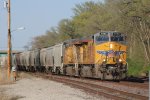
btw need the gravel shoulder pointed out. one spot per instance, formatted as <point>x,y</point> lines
<point>28,87</point>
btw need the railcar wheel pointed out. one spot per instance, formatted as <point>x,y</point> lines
<point>57,71</point>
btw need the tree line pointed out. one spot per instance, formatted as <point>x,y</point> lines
<point>131,17</point>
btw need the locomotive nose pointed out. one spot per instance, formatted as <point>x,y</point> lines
<point>111,53</point>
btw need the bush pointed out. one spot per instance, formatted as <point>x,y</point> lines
<point>135,67</point>
<point>146,69</point>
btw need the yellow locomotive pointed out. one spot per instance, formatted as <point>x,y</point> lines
<point>102,55</point>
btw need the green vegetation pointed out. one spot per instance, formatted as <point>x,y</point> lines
<point>135,67</point>
<point>131,17</point>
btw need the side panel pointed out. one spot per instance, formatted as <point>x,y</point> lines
<point>22,63</point>
<point>58,54</point>
<point>32,58</point>
<point>27,58</point>
<point>82,53</point>
<point>37,57</point>
<point>91,53</point>
<point>85,53</point>
<point>43,57</point>
<point>68,55</point>
<point>49,57</point>
<point>17,59</point>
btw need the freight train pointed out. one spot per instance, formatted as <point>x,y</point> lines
<point>102,55</point>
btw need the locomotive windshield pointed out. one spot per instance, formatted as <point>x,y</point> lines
<point>109,36</point>
<point>116,37</point>
<point>101,37</point>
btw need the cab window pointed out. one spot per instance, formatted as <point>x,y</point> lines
<point>118,37</point>
<point>110,36</point>
<point>101,37</point>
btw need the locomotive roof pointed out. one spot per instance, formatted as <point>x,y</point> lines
<point>79,40</point>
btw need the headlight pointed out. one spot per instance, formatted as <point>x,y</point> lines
<point>104,60</point>
<point>120,60</point>
<point>111,46</point>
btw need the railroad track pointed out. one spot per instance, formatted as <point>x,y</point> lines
<point>132,84</point>
<point>96,89</point>
<point>124,83</point>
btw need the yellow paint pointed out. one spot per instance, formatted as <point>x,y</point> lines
<point>69,55</point>
<point>106,46</point>
<point>86,53</point>
<point>81,54</point>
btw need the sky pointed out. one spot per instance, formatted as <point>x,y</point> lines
<point>37,16</point>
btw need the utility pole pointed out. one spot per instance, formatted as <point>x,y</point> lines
<point>9,41</point>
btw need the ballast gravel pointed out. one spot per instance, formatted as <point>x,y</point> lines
<point>33,88</point>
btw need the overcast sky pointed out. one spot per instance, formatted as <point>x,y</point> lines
<point>37,16</point>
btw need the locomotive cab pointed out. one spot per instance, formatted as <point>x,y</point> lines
<point>110,54</point>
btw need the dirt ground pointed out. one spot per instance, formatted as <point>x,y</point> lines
<point>31,88</point>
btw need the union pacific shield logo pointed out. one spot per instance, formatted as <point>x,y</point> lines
<point>110,53</point>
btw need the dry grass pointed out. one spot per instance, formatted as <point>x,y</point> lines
<point>3,74</point>
<point>4,81</point>
<point>3,77</point>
